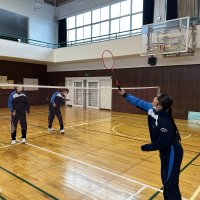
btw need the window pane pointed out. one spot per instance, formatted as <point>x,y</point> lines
<point>104,28</point>
<point>87,32</point>
<point>79,20</point>
<point>105,13</point>
<point>96,15</point>
<point>71,35</point>
<point>137,21</point>
<point>114,26</point>
<point>87,18</point>
<point>125,24</point>
<point>126,7</point>
<point>137,6</point>
<point>71,22</point>
<point>115,10</point>
<point>95,30</point>
<point>79,33</point>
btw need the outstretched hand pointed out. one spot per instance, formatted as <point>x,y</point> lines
<point>121,92</point>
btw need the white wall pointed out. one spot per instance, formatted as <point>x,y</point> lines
<point>126,62</point>
<point>41,21</point>
<point>119,47</point>
<point>25,51</point>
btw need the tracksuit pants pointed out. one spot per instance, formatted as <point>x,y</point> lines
<point>170,170</point>
<point>55,112</point>
<point>14,121</point>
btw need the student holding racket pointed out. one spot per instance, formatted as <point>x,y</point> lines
<point>109,63</point>
<point>165,137</point>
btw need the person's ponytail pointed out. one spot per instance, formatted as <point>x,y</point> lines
<point>166,102</point>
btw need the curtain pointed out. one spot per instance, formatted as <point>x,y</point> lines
<point>172,12</point>
<point>188,8</point>
<point>148,11</point>
<point>62,32</point>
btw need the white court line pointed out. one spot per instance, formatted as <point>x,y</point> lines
<point>81,192</point>
<point>138,192</point>
<point>4,117</point>
<point>195,194</point>
<point>6,146</point>
<point>9,145</point>
<point>95,167</point>
<point>121,134</point>
<point>186,137</point>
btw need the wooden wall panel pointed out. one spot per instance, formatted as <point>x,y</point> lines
<point>17,71</point>
<point>181,82</point>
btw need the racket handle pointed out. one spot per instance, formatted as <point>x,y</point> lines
<point>119,88</point>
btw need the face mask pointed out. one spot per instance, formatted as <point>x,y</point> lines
<point>19,89</point>
<point>65,94</point>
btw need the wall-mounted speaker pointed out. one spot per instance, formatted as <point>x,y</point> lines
<point>152,60</point>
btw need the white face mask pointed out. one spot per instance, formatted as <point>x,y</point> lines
<point>19,89</point>
<point>65,95</point>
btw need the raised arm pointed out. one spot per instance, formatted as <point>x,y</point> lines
<point>144,105</point>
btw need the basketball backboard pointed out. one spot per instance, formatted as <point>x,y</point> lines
<point>169,37</point>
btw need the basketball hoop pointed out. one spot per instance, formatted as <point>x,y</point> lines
<point>162,47</point>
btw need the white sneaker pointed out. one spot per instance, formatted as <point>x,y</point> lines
<point>13,142</point>
<point>23,140</point>
<point>50,129</point>
<point>62,130</point>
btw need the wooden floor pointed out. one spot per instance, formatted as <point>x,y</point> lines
<point>98,157</point>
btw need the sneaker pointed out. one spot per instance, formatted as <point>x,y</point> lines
<point>50,129</point>
<point>13,142</point>
<point>62,130</point>
<point>23,140</point>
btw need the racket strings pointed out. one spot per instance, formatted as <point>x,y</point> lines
<point>108,59</point>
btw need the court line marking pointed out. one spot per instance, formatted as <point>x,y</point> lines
<point>27,182</point>
<point>81,192</point>
<point>138,192</point>
<point>43,191</point>
<point>186,137</point>
<point>121,134</point>
<point>95,167</point>
<point>188,164</point>
<point>98,183</point>
<point>9,145</point>
<point>195,194</point>
<point>2,198</point>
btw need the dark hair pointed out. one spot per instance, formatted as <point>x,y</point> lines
<point>66,90</point>
<point>166,102</point>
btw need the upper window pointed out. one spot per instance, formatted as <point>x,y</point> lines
<point>96,17</point>
<point>87,18</point>
<point>71,22</point>
<point>126,7</point>
<point>105,13</point>
<point>137,6</point>
<point>79,20</point>
<point>118,19</point>
<point>115,10</point>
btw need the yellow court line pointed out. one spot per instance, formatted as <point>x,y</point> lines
<point>195,194</point>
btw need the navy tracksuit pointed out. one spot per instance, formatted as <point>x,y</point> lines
<point>56,99</point>
<point>163,138</point>
<point>18,103</point>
